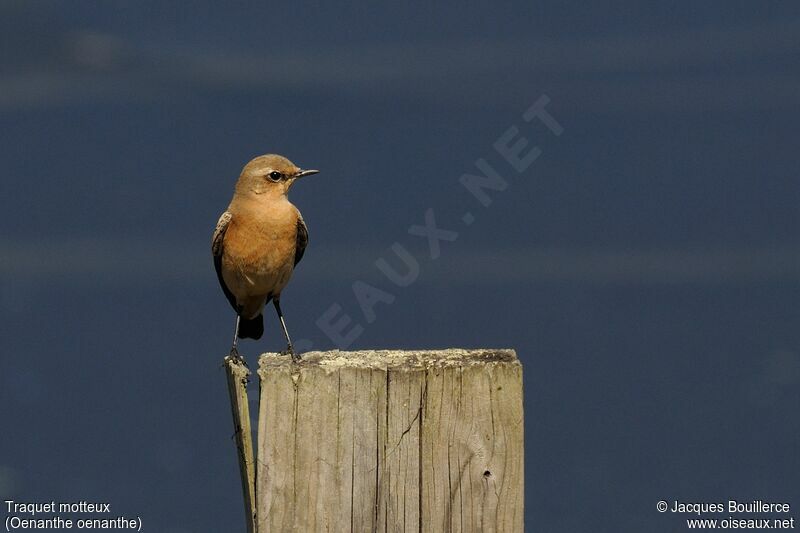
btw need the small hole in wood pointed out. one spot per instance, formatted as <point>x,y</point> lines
<point>487,474</point>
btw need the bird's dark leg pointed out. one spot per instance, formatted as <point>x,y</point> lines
<point>234,351</point>
<point>289,348</point>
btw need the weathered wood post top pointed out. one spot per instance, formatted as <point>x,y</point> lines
<point>411,440</point>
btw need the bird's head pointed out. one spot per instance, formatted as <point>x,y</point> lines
<point>271,175</point>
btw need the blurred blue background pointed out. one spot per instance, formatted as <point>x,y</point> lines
<point>646,266</point>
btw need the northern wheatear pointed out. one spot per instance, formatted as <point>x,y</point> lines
<point>258,241</point>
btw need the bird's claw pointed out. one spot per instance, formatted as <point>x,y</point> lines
<point>234,354</point>
<point>290,351</point>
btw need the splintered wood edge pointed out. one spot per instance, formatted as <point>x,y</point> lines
<point>237,376</point>
<point>236,367</point>
<point>389,359</point>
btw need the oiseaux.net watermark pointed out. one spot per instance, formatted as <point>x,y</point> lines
<point>512,153</point>
<point>731,514</point>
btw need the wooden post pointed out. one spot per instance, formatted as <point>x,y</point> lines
<point>391,441</point>
<point>238,375</point>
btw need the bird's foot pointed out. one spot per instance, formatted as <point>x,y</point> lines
<point>290,351</point>
<point>234,354</point>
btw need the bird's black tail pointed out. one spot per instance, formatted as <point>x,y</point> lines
<point>251,328</point>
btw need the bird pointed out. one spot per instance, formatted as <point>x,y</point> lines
<point>257,243</point>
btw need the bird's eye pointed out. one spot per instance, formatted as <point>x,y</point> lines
<point>275,175</point>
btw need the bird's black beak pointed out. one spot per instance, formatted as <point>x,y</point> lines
<point>304,173</point>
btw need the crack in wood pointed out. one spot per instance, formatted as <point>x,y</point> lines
<point>395,441</point>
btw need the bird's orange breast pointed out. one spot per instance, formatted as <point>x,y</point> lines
<point>259,250</point>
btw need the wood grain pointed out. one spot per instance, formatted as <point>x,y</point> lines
<point>391,441</point>
<point>238,375</point>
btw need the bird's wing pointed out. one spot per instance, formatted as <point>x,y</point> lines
<point>302,240</point>
<point>219,234</point>
<point>217,247</point>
